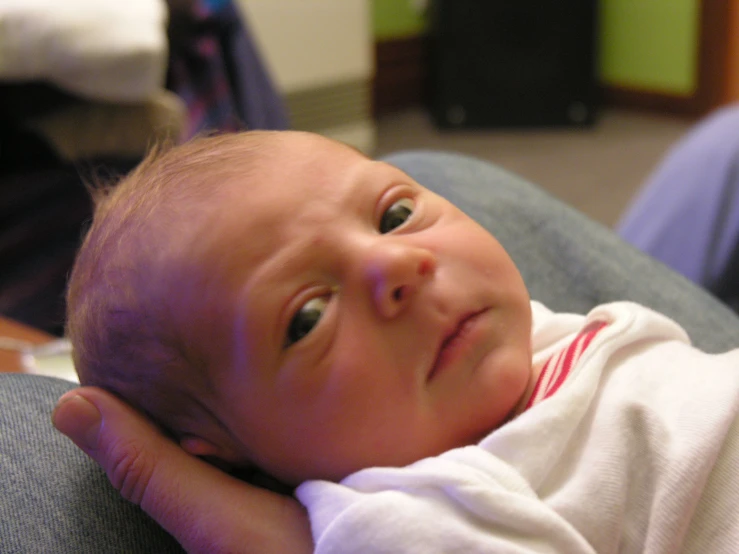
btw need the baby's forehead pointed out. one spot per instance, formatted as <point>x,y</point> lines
<point>297,166</point>
<point>296,188</point>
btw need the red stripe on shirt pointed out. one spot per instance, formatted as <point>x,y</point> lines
<point>557,368</point>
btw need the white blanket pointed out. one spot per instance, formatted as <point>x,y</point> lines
<point>113,50</point>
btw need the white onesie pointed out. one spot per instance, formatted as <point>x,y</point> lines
<point>636,452</point>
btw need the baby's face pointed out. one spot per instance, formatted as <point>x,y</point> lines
<point>376,324</point>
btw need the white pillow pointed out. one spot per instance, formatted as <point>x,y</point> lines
<point>113,50</point>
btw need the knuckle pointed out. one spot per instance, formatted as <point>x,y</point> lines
<point>130,470</point>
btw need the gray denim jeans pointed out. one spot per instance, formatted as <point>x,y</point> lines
<point>54,499</point>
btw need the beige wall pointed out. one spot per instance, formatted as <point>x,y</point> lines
<point>320,54</point>
<point>311,43</point>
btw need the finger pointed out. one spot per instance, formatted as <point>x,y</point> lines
<point>119,442</point>
<point>204,508</point>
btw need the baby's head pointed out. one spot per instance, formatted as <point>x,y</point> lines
<point>279,299</point>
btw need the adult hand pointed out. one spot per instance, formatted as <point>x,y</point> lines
<point>205,509</point>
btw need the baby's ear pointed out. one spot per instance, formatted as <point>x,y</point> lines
<point>211,452</point>
<point>198,446</point>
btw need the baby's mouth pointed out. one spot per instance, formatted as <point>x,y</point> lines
<point>453,341</point>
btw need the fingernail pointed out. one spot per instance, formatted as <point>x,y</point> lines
<point>79,419</point>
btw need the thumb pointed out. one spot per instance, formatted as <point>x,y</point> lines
<point>79,419</point>
<point>114,435</point>
<point>205,509</point>
<point>147,468</point>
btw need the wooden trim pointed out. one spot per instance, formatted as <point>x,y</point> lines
<point>712,59</point>
<point>401,74</point>
<point>731,86</point>
<point>713,53</point>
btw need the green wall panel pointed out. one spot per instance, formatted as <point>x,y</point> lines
<point>397,18</point>
<point>650,44</point>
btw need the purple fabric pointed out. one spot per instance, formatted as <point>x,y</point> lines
<point>687,214</point>
<point>220,75</point>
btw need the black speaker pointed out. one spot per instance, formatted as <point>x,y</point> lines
<point>513,63</point>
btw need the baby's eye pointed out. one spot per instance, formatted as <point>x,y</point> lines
<point>305,320</point>
<point>397,214</point>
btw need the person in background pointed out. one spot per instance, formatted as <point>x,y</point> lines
<point>687,213</point>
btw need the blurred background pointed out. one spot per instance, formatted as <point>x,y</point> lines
<point>582,97</point>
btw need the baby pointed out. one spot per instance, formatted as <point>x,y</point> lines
<point>277,299</point>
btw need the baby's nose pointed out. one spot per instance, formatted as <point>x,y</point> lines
<point>395,273</point>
